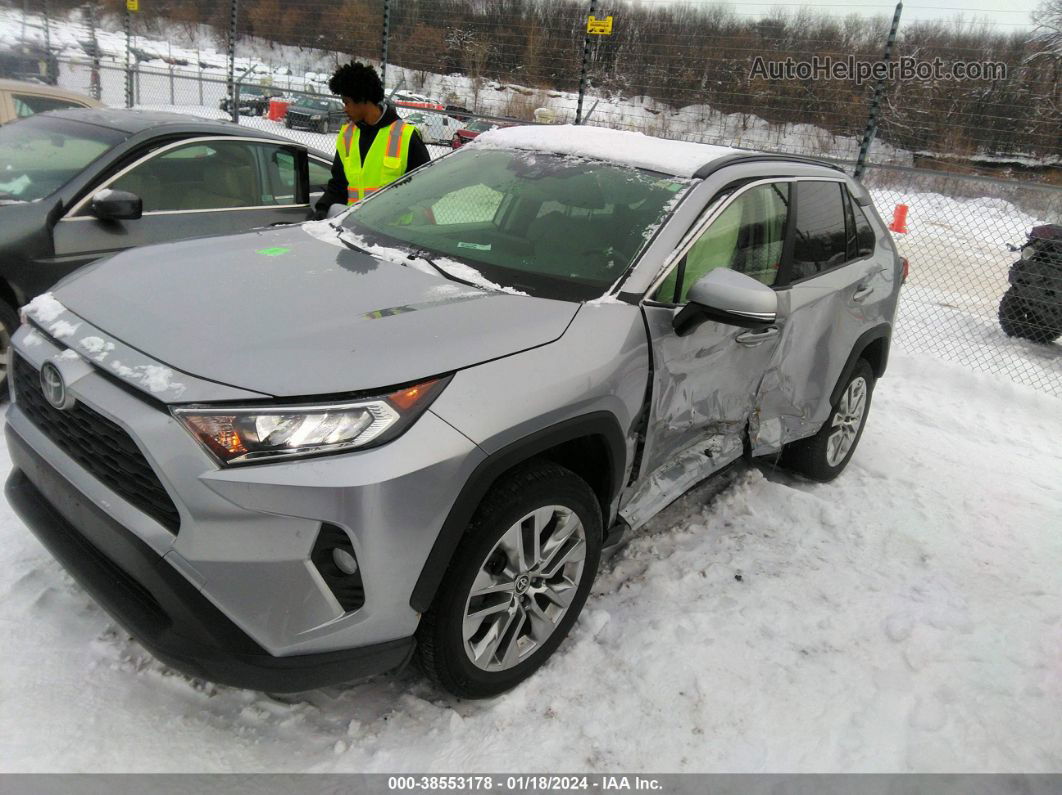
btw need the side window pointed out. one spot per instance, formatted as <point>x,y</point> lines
<point>319,175</point>
<point>820,242</point>
<point>748,237</point>
<point>281,175</point>
<point>29,104</point>
<point>213,175</point>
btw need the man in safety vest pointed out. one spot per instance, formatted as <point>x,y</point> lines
<point>375,147</point>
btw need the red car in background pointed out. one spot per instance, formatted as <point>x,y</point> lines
<point>473,129</point>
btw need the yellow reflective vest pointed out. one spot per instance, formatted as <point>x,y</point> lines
<point>385,161</point>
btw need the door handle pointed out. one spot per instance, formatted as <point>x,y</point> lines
<point>753,338</point>
<point>862,293</point>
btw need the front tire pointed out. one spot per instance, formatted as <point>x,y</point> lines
<point>9,324</point>
<point>516,583</point>
<point>824,456</point>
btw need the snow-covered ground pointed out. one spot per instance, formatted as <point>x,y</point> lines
<point>907,617</point>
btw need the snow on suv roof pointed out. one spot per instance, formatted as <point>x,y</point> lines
<point>681,158</point>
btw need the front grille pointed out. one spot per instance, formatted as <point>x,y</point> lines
<point>99,445</point>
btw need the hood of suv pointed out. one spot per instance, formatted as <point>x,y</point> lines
<point>283,313</point>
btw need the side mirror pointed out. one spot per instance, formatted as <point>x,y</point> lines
<point>117,205</point>
<point>729,297</point>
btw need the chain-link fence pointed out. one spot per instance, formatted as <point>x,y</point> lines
<point>959,232</point>
<point>974,161</point>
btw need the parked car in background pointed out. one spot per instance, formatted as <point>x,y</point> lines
<point>19,100</point>
<point>29,62</point>
<point>412,430</point>
<point>321,114</point>
<point>1032,306</point>
<point>407,99</point>
<point>77,185</point>
<point>253,99</point>
<point>434,128</point>
<point>472,129</point>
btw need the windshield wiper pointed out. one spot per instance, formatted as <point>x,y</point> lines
<point>421,256</point>
<point>352,246</point>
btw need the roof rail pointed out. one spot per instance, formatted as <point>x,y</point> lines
<point>712,166</point>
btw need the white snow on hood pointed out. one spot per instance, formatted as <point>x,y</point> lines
<point>152,377</point>
<point>681,158</point>
<point>44,308</point>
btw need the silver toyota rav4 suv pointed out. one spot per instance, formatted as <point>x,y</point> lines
<point>297,456</point>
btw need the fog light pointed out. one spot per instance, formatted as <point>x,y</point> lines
<point>335,560</point>
<point>344,561</point>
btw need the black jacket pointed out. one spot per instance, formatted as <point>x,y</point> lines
<point>336,192</point>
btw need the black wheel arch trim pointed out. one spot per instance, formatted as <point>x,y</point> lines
<point>600,423</point>
<point>883,332</point>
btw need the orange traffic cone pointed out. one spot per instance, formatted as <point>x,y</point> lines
<point>899,220</point>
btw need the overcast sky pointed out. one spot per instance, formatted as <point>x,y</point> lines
<point>1006,14</point>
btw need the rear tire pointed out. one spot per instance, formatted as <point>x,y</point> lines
<point>1020,318</point>
<point>824,456</point>
<point>516,583</point>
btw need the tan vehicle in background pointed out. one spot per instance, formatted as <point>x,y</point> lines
<point>18,99</point>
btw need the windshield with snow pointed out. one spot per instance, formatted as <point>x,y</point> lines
<point>40,154</point>
<point>551,226</point>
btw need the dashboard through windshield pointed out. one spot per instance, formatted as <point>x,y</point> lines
<point>548,225</point>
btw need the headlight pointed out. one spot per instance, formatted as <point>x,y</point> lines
<point>267,433</point>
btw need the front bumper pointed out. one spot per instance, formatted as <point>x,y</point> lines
<point>246,542</point>
<point>158,606</point>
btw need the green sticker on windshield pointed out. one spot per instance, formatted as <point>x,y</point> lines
<point>275,251</point>
<point>476,246</point>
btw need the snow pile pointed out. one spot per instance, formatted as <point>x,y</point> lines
<point>907,617</point>
<point>635,149</point>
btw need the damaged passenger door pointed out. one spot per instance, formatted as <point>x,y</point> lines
<point>705,380</point>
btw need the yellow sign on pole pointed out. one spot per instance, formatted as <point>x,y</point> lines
<point>599,27</point>
<point>132,5</point>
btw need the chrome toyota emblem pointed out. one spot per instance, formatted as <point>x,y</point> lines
<point>522,583</point>
<point>54,388</point>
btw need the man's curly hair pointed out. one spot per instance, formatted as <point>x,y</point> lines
<point>357,81</point>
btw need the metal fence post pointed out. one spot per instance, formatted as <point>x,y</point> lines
<point>47,32</point>
<point>875,103</point>
<point>385,41</point>
<point>95,87</point>
<point>586,63</point>
<point>128,51</point>
<point>233,105</point>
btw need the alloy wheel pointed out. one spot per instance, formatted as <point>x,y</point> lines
<point>847,420</point>
<point>524,587</point>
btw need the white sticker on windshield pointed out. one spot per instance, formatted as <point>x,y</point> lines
<point>476,246</point>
